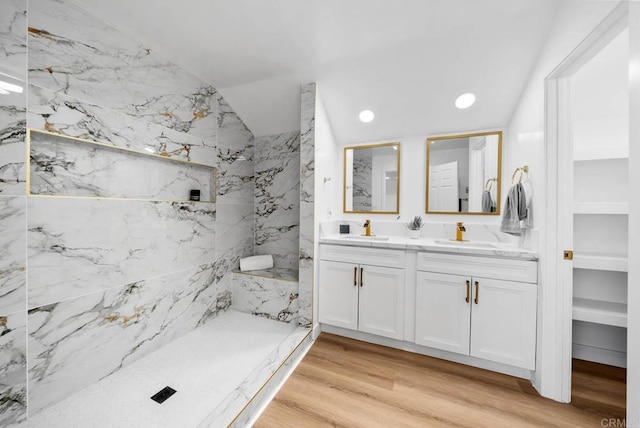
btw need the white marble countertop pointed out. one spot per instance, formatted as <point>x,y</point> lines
<point>480,248</point>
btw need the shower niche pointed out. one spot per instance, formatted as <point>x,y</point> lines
<point>65,166</point>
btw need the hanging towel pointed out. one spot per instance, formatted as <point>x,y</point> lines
<point>488,203</point>
<point>515,210</point>
<point>256,263</point>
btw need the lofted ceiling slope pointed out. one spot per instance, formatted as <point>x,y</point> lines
<point>406,60</point>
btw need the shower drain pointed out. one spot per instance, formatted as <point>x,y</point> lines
<point>162,395</point>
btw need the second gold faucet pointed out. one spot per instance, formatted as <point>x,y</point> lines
<point>460,229</point>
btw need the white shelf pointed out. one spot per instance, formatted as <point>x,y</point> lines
<point>601,208</point>
<point>604,153</point>
<point>600,312</point>
<point>600,262</point>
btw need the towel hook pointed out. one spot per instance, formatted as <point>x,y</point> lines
<point>522,170</point>
<point>489,184</point>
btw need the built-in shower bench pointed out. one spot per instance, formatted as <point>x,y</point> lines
<point>270,293</point>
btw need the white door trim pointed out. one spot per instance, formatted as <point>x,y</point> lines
<point>633,297</point>
<point>553,374</point>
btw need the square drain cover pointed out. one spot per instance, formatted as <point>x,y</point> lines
<point>162,395</point>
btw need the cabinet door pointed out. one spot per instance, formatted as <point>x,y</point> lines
<point>442,312</point>
<point>337,294</point>
<point>382,301</point>
<point>503,322</point>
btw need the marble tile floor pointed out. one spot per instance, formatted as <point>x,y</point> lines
<point>214,369</point>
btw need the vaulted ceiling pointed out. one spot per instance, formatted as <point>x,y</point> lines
<point>406,60</point>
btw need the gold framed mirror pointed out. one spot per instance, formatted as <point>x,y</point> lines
<point>464,173</point>
<point>372,179</point>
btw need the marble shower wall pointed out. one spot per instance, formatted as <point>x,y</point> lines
<point>13,212</point>
<point>73,52</point>
<point>307,227</point>
<point>277,198</point>
<point>234,223</point>
<point>109,280</point>
<point>13,121</point>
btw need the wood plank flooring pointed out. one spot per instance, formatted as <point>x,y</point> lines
<point>343,382</point>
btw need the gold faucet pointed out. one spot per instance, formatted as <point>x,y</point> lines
<point>367,228</point>
<point>459,231</point>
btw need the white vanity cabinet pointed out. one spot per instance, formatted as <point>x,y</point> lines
<point>479,306</point>
<point>362,289</point>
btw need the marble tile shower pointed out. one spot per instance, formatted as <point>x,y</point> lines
<point>73,52</point>
<point>110,280</point>
<point>307,179</point>
<point>63,166</point>
<point>277,198</point>
<point>13,120</point>
<point>13,212</point>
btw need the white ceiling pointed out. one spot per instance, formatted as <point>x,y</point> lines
<point>406,60</point>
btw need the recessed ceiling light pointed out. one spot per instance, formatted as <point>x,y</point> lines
<point>366,116</point>
<point>10,87</point>
<point>465,100</point>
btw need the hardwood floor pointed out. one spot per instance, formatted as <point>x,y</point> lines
<point>343,382</point>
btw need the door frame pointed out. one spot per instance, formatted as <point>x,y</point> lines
<point>553,376</point>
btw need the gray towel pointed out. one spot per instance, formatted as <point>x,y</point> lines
<point>488,203</point>
<point>515,210</point>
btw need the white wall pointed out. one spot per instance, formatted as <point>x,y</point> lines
<point>574,21</point>
<point>600,104</point>
<point>328,182</point>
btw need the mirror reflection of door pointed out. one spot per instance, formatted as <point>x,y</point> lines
<point>390,186</point>
<point>444,187</point>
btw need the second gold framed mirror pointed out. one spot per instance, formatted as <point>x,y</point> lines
<point>464,173</point>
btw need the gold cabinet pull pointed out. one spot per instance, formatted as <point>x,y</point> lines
<point>475,300</point>
<point>468,291</point>
<point>361,277</point>
<point>355,276</point>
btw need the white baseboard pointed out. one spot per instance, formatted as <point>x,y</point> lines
<point>431,352</point>
<point>600,355</point>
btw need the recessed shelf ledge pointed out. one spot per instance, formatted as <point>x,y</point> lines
<point>68,167</point>
<point>618,263</point>
<point>600,312</point>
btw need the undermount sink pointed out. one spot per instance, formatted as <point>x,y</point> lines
<point>368,238</point>
<point>473,244</point>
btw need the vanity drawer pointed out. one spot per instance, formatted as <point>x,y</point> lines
<point>363,255</point>
<point>482,267</point>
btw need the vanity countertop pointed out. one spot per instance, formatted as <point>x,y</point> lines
<point>481,248</point>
